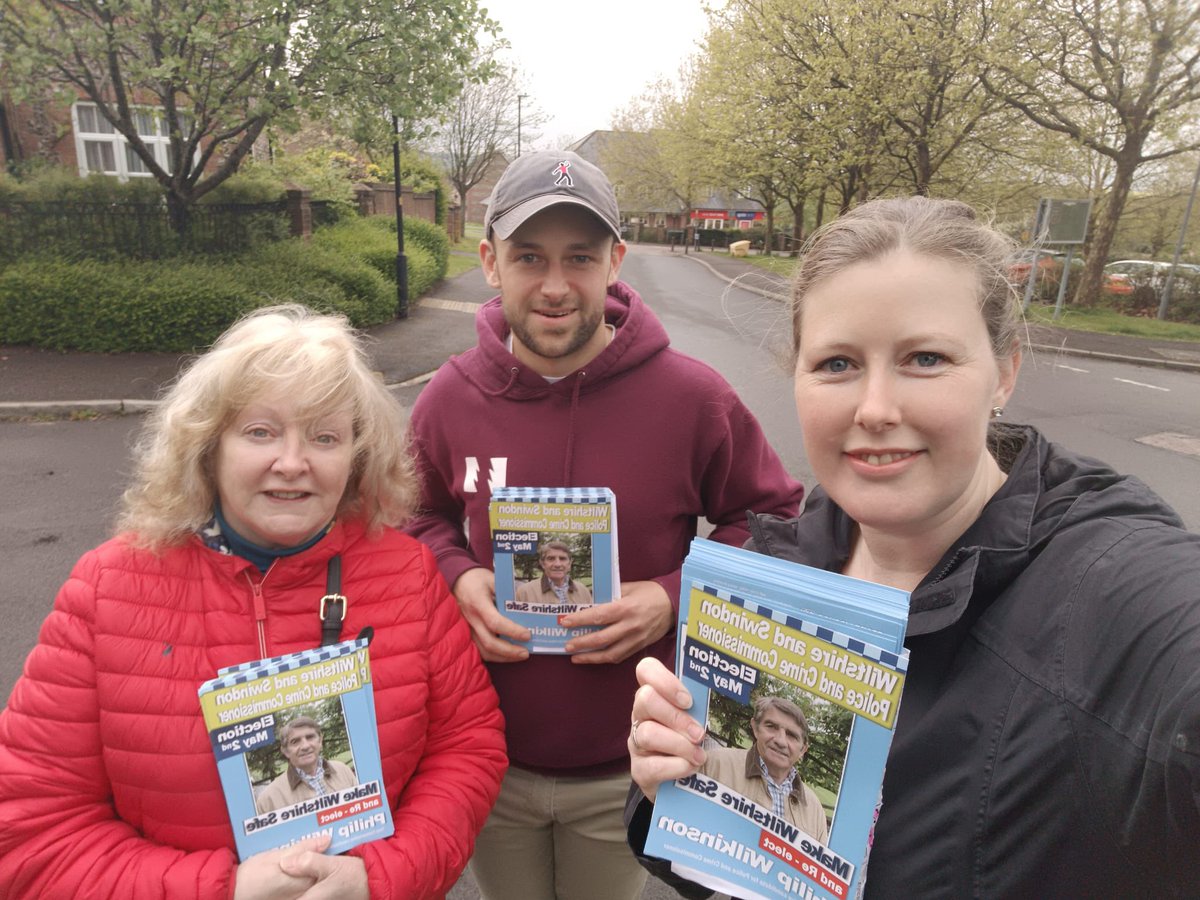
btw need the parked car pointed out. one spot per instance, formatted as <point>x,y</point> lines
<point>1049,266</point>
<point>1145,271</point>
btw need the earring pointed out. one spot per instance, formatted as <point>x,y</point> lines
<point>997,412</point>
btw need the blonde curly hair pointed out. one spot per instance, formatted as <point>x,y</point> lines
<point>320,362</point>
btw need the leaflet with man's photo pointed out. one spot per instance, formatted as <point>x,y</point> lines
<point>554,551</point>
<point>797,675</point>
<point>297,748</point>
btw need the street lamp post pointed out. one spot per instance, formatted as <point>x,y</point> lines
<point>1187,215</point>
<point>401,260</point>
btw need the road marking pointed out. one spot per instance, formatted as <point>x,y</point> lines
<point>1070,368</point>
<point>1168,440</point>
<point>452,305</point>
<point>1153,387</point>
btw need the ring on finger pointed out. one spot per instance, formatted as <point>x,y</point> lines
<point>633,734</point>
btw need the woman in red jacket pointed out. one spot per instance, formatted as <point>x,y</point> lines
<point>276,451</point>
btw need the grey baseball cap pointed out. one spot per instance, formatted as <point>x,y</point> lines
<point>545,178</point>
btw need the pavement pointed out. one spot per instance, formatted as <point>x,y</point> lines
<point>45,383</point>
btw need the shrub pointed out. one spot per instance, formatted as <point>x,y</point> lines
<point>252,184</point>
<point>432,238</point>
<point>423,272</point>
<point>369,239</point>
<point>103,306</point>
<point>423,175</point>
<point>329,174</point>
<point>50,184</point>
<point>426,248</point>
<point>178,305</point>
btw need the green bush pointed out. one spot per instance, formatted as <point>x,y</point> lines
<point>432,238</point>
<point>178,305</point>
<point>104,306</point>
<point>424,175</point>
<point>183,304</point>
<point>426,248</point>
<point>252,184</point>
<point>54,184</point>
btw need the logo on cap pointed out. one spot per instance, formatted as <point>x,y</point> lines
<point>563,171</point>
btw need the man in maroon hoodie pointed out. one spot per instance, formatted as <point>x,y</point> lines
<point>573,384</point>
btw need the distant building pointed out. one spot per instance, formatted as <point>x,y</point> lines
<point>79,137</point>
<point>721,208</point>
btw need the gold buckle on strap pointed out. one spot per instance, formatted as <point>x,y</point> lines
<point>334,598</point>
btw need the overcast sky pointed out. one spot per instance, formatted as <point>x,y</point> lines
<point>587,62</point>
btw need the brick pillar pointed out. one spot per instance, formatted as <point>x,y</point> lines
<point>300,212</point>
<point>365,195</point>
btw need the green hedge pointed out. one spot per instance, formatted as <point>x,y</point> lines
<point>433,238</point>
<point>426,248</point>
<point>183,304</point>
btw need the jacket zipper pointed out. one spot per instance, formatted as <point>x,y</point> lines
<point>260,612</point>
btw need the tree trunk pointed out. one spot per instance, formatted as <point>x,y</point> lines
<point>1091,281</point>
<point>924,169</point>
<point>797,226</point>
<point>179,214</point>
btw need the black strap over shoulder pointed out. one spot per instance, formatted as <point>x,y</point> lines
<point>333,604</point>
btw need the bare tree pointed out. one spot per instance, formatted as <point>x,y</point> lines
<point>483,125</point>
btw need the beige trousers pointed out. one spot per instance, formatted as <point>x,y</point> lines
<point>553,838</point>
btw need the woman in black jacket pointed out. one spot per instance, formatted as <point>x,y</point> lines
<point>1048,742</point>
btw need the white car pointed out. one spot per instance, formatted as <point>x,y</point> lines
<point>1150,272</point>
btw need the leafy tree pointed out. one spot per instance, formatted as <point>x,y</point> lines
<point>658,156</point>
<point>1119,77</point>
<point>222,70</point>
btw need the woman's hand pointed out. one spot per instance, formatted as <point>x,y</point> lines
<point>336,877</point>
<point>261,877</point>
<point>664,742</point>
<point>302,870</point>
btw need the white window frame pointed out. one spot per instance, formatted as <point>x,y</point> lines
<point>100,133</point>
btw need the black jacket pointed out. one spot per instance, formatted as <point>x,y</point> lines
<point>1048,741</point>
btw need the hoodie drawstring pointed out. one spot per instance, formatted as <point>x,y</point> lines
<point>570,454</point>
<point>512,378</point>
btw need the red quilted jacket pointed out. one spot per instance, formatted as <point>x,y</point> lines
<point>108,787</point>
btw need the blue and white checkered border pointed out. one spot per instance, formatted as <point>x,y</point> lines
<point>895,661</point>
<point>247,672</point>
<point>552,495</point>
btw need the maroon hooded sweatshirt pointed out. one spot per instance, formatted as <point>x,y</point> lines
<point>664,431</point>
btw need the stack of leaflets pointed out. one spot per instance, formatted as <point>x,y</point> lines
<point>754,627</point>
<point>555,552</point>
<point>246,706</point>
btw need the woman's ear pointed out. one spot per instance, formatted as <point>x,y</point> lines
<point>1009,367</point>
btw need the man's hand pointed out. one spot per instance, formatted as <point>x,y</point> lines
<point>335,877</point>
<point>640,617</point>
<point>475,591</point>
